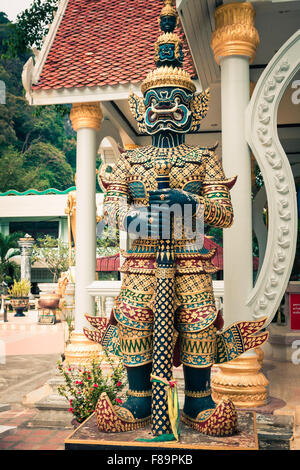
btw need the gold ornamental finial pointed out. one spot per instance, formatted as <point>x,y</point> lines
<point>235,33</point>
<point>168,9</point>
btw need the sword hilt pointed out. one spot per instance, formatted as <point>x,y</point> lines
<point>162,168</point>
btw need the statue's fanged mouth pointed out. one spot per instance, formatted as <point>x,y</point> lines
<point>165,111</point>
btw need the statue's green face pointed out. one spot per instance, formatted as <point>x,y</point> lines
<point>166,51</point>
<point>167,55</point>
<point>168,23</point>
<point>167,109</point>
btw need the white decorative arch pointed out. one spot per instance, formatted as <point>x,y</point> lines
<point>262,137</point>
<point>259,226</point>
<point>109,131</point>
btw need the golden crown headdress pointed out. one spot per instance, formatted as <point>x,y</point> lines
<point>172,74</point>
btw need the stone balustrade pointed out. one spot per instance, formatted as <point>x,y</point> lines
<point>108,290</point>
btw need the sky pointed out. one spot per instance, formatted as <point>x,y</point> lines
<point>13,7</point>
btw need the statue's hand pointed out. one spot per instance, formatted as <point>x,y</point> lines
<point>172,197</point>
<point>145,222</point>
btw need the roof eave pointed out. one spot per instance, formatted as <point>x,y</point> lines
<point>37,97</point>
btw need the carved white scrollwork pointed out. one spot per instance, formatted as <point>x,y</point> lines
<point>262,137</point>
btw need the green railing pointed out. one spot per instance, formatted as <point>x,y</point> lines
<point>13,192</point>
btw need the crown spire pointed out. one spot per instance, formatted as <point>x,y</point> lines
<point>168,54</point>
<point>168,47</point>
<point>168,17</point>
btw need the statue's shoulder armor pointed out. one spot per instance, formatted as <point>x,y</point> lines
<point>139,155</point>
<point>193,154</point>
<point>208,151</point>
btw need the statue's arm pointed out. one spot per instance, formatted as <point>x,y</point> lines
<point>117,202</point>
<point>215,195</point>
<point>118,209</point>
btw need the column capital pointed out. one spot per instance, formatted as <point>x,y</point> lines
<point>235,33</point>
<point>86,115</point>
<point>26,244</point>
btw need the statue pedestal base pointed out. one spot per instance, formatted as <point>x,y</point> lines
<point>241,381</point>
<point>88,437</point>
<point>256,431</point>
<point>81,351</point>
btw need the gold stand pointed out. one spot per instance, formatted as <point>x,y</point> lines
<point>81,351</point>
<point>242,382</point>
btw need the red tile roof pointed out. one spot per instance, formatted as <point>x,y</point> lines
<point>108,263</point>
<point>105,42</point>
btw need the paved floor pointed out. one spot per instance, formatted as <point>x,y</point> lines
<point>26,438</point>
<point>28,357</point>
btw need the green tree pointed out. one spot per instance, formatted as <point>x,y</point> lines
<point>53,254</point>
<point>8,249</point>
<point>49,166</point>
<point>31,26</point>
<point>11,170</point>
<point>3,18</point>
<point>23,127</point>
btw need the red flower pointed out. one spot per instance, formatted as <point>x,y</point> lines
<point>96,385</point>
<point>69,368</point>
<point>118,400</point>
<point>119,384</point>
<point>70,409</point>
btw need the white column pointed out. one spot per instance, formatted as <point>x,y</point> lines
<point>237,240</point>
<point>86,120</point>
<point>85,254</point>
<point>63,229</point>
<point>4,228</point>
<point>234,43</point>
<point>26,247</point>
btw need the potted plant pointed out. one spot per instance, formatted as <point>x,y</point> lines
<point>19,294</point>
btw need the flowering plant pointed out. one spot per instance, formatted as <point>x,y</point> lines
<point>84,385</point>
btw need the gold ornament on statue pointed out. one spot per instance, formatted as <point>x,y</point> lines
<point>168,9</point>
<point>168,76</point>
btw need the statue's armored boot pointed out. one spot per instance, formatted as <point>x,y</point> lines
<point>135,412</point>
<point>200,412</point>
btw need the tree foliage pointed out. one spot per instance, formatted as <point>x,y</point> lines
<point>8,249</point>
<point>37,144</point>
<point>3,18</point>
<point>48,166</point>
<point>53,254</point>
<point>31,27</point>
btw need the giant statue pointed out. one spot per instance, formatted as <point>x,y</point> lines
<point>165,314</point>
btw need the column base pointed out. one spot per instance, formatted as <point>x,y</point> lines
<point>81,351</point>
<point>242,382</point>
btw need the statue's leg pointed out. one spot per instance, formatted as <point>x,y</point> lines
<point>200,411</point>
<point>139,391</point>
<point>197,391</point>
<point>134,413</point>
